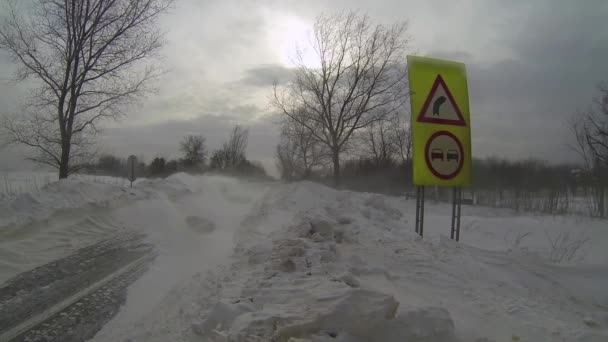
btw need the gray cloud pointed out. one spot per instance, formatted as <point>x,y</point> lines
<point>267,75</point>
<point>521,102</point>
<point>530,66</point>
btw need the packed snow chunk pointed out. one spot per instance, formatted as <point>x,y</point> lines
<point>345,220</point>
<point>590,322</point>
<point>597,319</point>
<point>348,279</point>
<point>378,202</point>
<point>590,336</point>
<point>358,313</point>
<point>421,325</point>
<point>200,224</point>
<point>333,337</point>
<point>259,253</point>
<point>259,324</point>
<point>221,317</point>
<point>289,255</point>
<point>321,230</point>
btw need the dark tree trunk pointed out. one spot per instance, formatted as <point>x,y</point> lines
<point>307,174</point>
<point>65,159</point>
<point>601,199</point>
<point>336,162</point>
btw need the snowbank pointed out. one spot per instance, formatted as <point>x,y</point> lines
<point>62,195</point>
<point>240,261</point>
<point>314,264</point>
<point>60,217</point>
<point>84,192</point>
<point>292,283</point>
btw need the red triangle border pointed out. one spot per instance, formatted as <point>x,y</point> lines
<point>421,118</point>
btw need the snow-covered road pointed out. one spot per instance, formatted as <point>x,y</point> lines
<point>69,299</point>
<point>245,261</point>
<point>193,232</point>
<point>190,224</point>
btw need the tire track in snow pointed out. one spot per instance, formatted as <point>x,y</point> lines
<point>24,248</point>
<point>71,298</point>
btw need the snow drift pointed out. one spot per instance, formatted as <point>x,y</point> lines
<point>243,261</point>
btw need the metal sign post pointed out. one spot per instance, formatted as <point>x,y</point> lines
<point>458,217</point>
<point>131,161</point>
<point>456,205</point>
<point>420,210</point>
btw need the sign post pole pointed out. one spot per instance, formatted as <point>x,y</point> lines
<point>417,210</point>
<point>131,161</point>
<point>420,210</point>
<point>458,216</point>
<point>132,172</point>
<point>453,231</point>
<point>456,211</point>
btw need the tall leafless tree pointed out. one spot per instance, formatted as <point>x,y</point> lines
<point>285,159</point>
<point>379,143</point>
<point>233,152</point>
<point>194,149</point>
<point>590,130</point>
<point>402,138</point>
<point>298,151</point>
<point>360,78</point>
<point>90,59</point>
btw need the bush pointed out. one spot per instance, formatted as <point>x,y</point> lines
<point>564,248</point>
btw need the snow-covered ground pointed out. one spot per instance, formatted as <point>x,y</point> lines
<point>244,261</point>
<point>14,183</point>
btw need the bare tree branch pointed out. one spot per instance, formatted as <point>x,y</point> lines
<point>361,80</point>
<point>92,60</point>
<point>194,149</point>
<point>590,130</point>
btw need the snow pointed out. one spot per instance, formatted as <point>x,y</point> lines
<point>192,227</point>
<point>15,183</point>
<point>245,261</point>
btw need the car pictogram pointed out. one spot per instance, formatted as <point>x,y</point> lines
<point>436,153</point>
<point>452,155</point>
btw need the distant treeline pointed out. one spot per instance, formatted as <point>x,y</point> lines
<point>529,185</point>
<point>229,159</point>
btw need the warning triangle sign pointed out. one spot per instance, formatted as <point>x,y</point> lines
<point>440,106</point>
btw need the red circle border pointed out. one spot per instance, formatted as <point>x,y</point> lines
<point>428,161</point>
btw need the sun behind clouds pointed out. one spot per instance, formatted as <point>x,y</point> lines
<point>288,34</point>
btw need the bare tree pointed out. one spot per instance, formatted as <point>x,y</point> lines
<point>232,154</point>
<point>379,144</point>
<point>402,138</point>
<point>194,149</point>
<point>285,159</point>
<point>360,79</point>
<point>299,150</point>
<point>236,146</point>
<point>590,130</point>
<point>89,59</point>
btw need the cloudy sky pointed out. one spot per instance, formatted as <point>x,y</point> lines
<point>531,64</point>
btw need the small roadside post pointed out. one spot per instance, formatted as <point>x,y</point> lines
<point>441,132</point>
<point>131,162</point>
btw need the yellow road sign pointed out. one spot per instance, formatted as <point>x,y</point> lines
<point>441,124</point>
